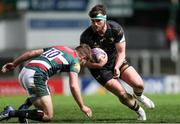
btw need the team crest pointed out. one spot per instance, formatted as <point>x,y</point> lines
<point>77,67</point>
<point>120,32</point>
<point>111,39</point>
<point>96,45</point>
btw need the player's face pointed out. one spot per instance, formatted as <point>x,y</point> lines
<point>98,24</point>
<point>83,60</point>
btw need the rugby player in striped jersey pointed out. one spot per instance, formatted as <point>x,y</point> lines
<point>34,76</point>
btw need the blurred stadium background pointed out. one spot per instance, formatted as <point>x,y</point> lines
<point>152,31</point>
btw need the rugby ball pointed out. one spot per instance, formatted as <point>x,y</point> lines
<point>98,53</point>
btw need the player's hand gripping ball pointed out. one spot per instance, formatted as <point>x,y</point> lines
<point>99,54</point>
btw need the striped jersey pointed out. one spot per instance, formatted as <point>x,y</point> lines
<point>54,60</point>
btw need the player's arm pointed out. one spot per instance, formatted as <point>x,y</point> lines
<point>22,58</point>
<point>75,90</point>
<point>121,50</point>
<point>102,61</point>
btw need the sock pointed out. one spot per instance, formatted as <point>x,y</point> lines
<point>135,107</point>
<point>138,94</point>
<point>29,114</point>
<point>26,104</point>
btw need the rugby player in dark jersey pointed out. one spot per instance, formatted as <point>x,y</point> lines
<point>109,36</point>
<point>34,77</point>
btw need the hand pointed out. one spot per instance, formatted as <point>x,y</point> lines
<point>116,73</point>
<point>8,67</point>
<point>103,59</point>
<point>87,111</point>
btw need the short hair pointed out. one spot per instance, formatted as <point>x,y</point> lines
<point>99,8</point>
<point>84,50</point>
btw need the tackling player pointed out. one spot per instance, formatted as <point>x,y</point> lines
<point>34,77</point>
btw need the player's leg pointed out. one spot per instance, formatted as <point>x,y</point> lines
<point>43,111</point>
<point>116,88</point>
<point>105,78</point>
<point>39,93</point>
<point>130,76</point>
<point>24,106</point>
<point>24,77</point>
<point>9,112</point>
<point>45,104</point>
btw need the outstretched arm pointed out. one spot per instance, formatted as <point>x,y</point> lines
<point>75,90</point>
<point>22,58</point>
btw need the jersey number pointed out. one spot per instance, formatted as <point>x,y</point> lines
<point>52,53</point>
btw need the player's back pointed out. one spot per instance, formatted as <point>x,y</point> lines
<point>55,59</point>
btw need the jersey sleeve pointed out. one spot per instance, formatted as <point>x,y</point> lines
<point>46,49</point>
<point>82,38</point>
<point>117,31</point>
<point>119,35</point>
<point>75,65</point>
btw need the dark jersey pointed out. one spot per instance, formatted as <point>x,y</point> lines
<point>114,34</point>
<point>55,59</point>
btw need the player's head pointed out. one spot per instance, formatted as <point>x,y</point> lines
<point>98,17</point>
<point>84,53</point>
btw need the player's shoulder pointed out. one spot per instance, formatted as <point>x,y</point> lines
<point>114,25</point>
<point>88,30</point>
<point>86,36</point>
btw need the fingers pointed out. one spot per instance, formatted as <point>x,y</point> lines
<point>116,77</point>
<point>116,73</point>
<point>4,69</point>
<point>89,113</point>
<point>7,67</point>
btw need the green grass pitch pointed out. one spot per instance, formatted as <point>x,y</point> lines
<point>106,109</point>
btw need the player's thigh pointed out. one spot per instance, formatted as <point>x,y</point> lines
<point>115,87</point>
<point>131,77</point>
<point>45,103</point>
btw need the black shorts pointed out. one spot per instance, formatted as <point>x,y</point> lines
<point>105,74</point>
<point>102,75</point>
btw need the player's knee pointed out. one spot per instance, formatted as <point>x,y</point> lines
<point>48,118</point>
<point>139,85</point>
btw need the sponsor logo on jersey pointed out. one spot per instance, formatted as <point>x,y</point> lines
<point>77,67</point>
<point>111,39</point>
